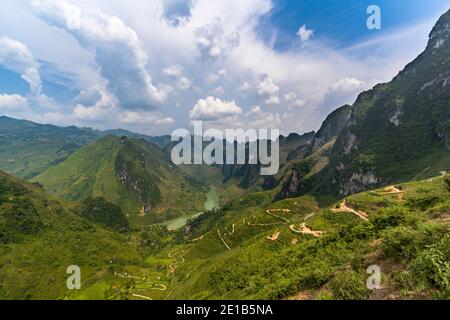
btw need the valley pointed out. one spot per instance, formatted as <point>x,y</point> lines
<point>370,188</point>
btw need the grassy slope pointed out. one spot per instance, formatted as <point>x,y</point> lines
<point>27,149</point>
<point>33,261</point>
<point>405,234</point>
<point>93,170</point>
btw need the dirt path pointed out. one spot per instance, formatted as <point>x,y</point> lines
<point>274,236</point>
<point>162,287</point>
<point>344,208</point>
<point>141,296</point>
<point>173,267</point>
<point>228,232</point>
<point>305,230</point>
<point>270,212</point>
<point>393,190</point>
<point>223,240</point>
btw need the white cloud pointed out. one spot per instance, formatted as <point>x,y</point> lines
<point>343,92</point>
<point>244,87</point>
<point>213,108</point>
<point>76,54</point>
<point>118,51</point>
<point>219,90</point>
<point>347,84</point>
<point>272,100</point>
<point>212,43</point>
<point>93,105</point>
<point>255,110</point>
<point>175,71</point>
<point>267,88</point>
<point>184,83</point>
<point>15,56</point>
<point>305,34</point>
<point>142,118</point>
<point>292,101</point>
<point>212,77</point>
<point>13,103</point>
<point>297,103</point>
<point>223,73</point>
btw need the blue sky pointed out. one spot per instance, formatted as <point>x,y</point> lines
<point>154,66</point>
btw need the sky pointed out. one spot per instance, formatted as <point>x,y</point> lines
<point>156,66</point>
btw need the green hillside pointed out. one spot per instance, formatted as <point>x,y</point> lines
<point>134,174</point>
<point>27,148</point>
<point>398,131</point>
<point>41,236</point>
<point>297,249</point>
<point>267,253</point>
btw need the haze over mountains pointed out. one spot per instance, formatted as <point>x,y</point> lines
<point>370,187</point>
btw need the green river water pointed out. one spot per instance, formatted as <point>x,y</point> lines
<point>212,201</point>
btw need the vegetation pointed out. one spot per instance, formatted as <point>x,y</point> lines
<point>100,211</point>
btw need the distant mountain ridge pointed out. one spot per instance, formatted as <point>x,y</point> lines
<point>132,173</point>
<point>27,148</point>
<point>396,131</point>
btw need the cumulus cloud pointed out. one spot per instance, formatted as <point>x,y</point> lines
<point>292,101</point>
<point>343,92</point>
<point>244,87</point>
<point>117,47</point>
<point>219,90</point>
<point>16,57</point>
<point>13,103</point>
<point>142,118</point>
<point>272,100</point>
<point>212,108</point>
<point>267,88</point>
<point>255,110</point>
<point>304,33</point>
<point>119,50</point>
<point>176,72</point>
<point>93,105</point>
<point>212,43</point>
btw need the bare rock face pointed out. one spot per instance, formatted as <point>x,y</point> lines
<point>358,182</point>
<point>395,117</point>
<point>292,188</point>
<point>350,143</point>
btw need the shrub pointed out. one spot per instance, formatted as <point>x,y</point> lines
<point>390,217</point>
<point>447,181</point>
<point>103,212</point>
<point>406,242</point>
<point>433,265</point>
<point>349,285</point>
<point>422,203</point>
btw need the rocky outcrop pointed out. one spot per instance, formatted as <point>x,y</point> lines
<point>358,182</point>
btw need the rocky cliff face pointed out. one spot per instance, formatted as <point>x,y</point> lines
<point>393,132</point>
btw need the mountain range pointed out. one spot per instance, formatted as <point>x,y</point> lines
<point>369,188</point>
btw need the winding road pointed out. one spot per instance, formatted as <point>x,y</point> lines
<point>344,208</point>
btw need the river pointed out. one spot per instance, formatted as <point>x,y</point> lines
<point>212,201</point>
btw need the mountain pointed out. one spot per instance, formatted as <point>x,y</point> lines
<point>41,236</point>
<point>300,249</point>
<point>397,131</point>
<point>134,174</point>
<point>248,177</point>
<point>28,149</point>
